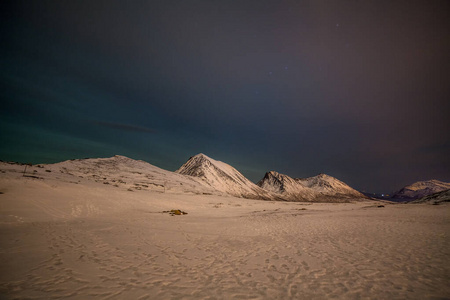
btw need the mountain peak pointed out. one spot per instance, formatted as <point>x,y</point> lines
<point>272,174</point>
<point>307,189</point>
<point>275,182</point>
<point>221,177</point>
<point>201,159</point>
<point>197,164</point>
<point>201,155</point>
<point>323,175</point>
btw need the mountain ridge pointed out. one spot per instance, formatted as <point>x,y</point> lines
<point>201,174</point>
<point>314,188</point>
<point>421,189</point>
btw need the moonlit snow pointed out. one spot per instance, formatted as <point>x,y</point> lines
<point>99,229</point>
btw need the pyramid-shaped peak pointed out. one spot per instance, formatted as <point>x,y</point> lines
<point>199,162</point>
<point>201,156</point>
<point>221,176</point>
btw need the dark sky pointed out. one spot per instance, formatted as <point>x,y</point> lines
<point>355,89</point>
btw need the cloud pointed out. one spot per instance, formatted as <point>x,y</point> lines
<point>126,127</point>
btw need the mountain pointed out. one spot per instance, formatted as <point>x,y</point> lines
<point>321,188</point>
<point>126,173</point>
<point>199,175</point>
<point>223,177</point>
<point>421,189</point>
<point>436,198</point>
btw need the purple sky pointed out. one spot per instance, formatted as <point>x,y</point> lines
<point>355,89</point>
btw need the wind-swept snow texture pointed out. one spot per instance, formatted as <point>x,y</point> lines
<point>223,177</point>
<point>320,188</point>
<point>421,189</point>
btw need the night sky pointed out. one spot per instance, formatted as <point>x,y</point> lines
<point>359,90</point>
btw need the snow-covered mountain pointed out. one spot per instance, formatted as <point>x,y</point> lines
<point>223,177</point>
<point>436,198</point>
<point>199,175</point>
<point>318,188</point>
<point>421,189</point>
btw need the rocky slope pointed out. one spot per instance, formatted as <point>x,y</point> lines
<point>436,198</point>
<point>421,189</point>
<point>321,188</point>
<point>223,178</point>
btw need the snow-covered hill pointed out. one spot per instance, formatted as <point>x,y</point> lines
<point>421,189</point>
<point>436,198</point>
<point>223,177</point>
<point>322,188</point>
<point>123,173</point>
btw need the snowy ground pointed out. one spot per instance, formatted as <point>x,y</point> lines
<point>82,239</point>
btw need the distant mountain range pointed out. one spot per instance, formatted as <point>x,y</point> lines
<point>204,175</point>
<point>421,189</point>
<point>318,188</point>
<point>274,186</point>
